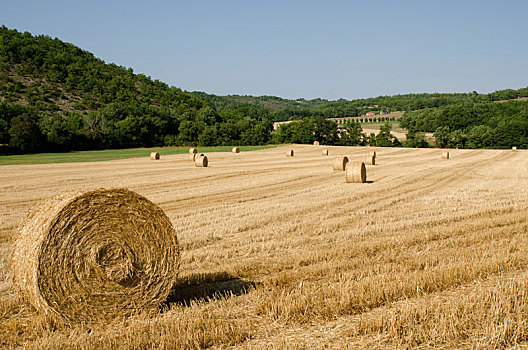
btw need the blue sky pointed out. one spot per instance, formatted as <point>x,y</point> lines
<point>329,49</point>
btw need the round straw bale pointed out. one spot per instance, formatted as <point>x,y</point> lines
<point>193,150</point>
<point>201,161</point>
<point>340,163</point>
<point>370,160</point>
<point>316,143</point>
<point>514,148</point>
<point>445,155</point>
<point>154,156</point>
<point>235,150</point>
<point>324,152</point>
<point>192,156</point>
<point>95,256</point>
<point>289,153</point>
<point>355,172</point>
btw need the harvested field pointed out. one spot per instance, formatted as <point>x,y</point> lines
<point>281,252</point>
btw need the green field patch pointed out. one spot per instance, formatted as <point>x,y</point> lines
<point>111,154</point>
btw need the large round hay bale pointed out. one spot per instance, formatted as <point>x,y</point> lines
<point>355,172</point>
<point>445,155</point>
<point>316,143</point>
<point>370,159</point>
<point>154,156</point>
<point>96,255</point>
<point>289,153</point>
<point>193,150</point>
<point>340,163</point>
<point>324,152</point>
<point>201,161</point>
<point>235,150</point>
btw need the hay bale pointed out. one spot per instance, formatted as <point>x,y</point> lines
<point>325,152</point>
<point>201,161</point>
<point>235,150</point>
<point>340,163</point>
<point>316,143</point>
<point>154,156</point>
<point>95,256</point>
<point>193,150</point>
<point>289,153</point>
<point>514,148</point>
<point>355,172</point>
<point>192,156</point>
<point>370,159</point>
<point>372,153</point>
<point>445,155</point>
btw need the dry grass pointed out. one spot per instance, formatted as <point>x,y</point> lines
<point>431,254</point>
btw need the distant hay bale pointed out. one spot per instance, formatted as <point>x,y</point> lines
<point>289,153</point>
<point>192,156</point>
<point>154,156</point>
<point>325,152</point>
<point>370,159</point>
<point>193,150</point>
<point>445,155</point>
<point>95,256</point>
<point>514,148</point>
<point>316,143</point>
<point>355,172</point>
<point>372,153</point>
<point>235,150</point>
<point>201,161</point>
<point>340,163</point>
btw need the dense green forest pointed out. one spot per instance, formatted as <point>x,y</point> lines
<point>472,125</point>
<point>55,96</point>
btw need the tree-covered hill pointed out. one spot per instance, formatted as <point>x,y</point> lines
<point>55,96</point>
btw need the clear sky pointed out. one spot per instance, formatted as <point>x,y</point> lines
<point>329,49</point>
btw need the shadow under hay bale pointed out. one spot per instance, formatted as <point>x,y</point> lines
<point>96,256</point>
<point>207,286</point>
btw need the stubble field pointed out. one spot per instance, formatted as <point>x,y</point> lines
<point>280,252</point>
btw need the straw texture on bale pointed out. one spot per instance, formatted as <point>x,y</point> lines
<point>445,155</point>
<point>324,152</point>
<point>201,161</point>
<point>316,143</point>
<point>355,172</point>
<point>235,150</point>
<point>193,150</point>
<point>370,160</point>
<point>289,153</point>
<point>95,256</point>
<point>154,155</point>
<point>340,163</point>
